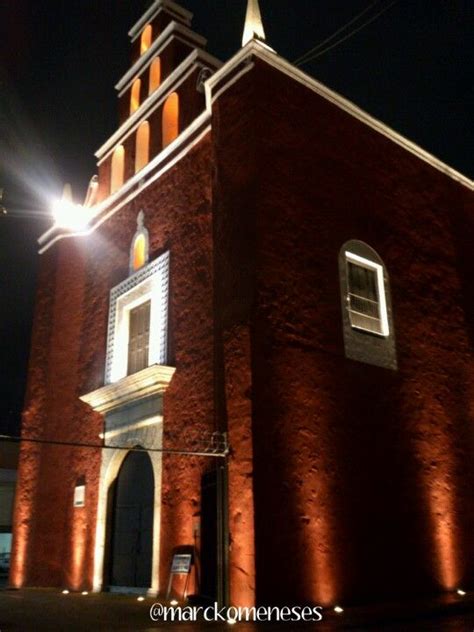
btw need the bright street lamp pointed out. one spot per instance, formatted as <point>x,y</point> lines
<point>69,215</point>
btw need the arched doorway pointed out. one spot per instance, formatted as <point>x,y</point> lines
<point>131,532</point>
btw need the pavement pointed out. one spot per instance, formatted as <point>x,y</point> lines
<point>48,610</point>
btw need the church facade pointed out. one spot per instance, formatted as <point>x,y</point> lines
<point>257,353</point>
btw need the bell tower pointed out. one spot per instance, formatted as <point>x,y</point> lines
<point>160,96</point>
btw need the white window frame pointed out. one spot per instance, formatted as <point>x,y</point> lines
<point>382,303</point>
<point>151,282</point>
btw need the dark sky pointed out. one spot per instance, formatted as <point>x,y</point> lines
<point>412,67</point>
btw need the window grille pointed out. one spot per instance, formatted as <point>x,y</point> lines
<point>151,279</point>
<point>139,338</point>
<point>365,295</point>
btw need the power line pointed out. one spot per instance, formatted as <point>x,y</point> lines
<point>350,34</point>
<point>220,449</point>
<point>301,59</point>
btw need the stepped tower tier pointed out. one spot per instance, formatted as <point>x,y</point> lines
<point>160,96</point>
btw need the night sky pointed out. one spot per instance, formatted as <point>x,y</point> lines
<point>412,68</point>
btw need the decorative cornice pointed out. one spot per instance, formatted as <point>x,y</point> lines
<point>170,84</point>
<point>156,8</point>
<point>174,28</point>
<point>214,87</point>
<point>154,380</point>
<point>258,49</point>
<point>153,171</point>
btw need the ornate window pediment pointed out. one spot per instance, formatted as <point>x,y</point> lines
<point>138,313</point>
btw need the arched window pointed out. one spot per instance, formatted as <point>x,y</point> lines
<point>139,245</point>
<point>135,96</point>
<point>170,119</point>
<point>142,146</point>
<point>117,169</point>
<point>139,252</point>
<point>155,75</point>
<point>366,306</point>
<point>145,40</point>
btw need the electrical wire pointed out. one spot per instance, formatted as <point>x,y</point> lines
<point>75,444</point>
<point>301,59</point>
<point>350,34</point>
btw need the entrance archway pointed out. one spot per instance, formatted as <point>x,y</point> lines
<point>131,523</point>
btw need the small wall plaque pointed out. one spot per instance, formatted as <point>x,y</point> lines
<point>79,496</point>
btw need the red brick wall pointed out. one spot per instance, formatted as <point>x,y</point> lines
<point>68,357</point>
<point>33,418</point>
<point>362,476</point>
<point>51,545</point>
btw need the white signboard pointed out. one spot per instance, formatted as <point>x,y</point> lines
<point>79,496</point>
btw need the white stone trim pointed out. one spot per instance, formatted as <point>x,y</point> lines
<point>198,54</point>
<point>154,10</point>
<point>135,179</point>
<point>230,83</point>
<point>137,425</point>
<point>154,100</point>
<point>161,42</point>
<point>149,283</point>
<point>154,379</point>
<point>382,306</point>
<point>111,462</point>
<point>113,201</point>
<point>262,51</point>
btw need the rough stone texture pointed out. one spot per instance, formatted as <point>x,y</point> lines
<point>33,418</point>
<point>363,474</point>
<point>237,354</point>
<point>68,357</point>
<point>356,480</point>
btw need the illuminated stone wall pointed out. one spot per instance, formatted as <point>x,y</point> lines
<point>362,475</point>
<point>54,541</point>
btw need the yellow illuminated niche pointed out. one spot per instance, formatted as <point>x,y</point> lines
<point>170,119</point>
<point>117,169</point>
<point>135,96</point>
<point>139,252</point>
<point>142,150</point>
<point>155,75</point>
<point>145,40</point>
<point>139,245</point>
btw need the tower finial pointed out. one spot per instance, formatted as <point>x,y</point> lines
<point>253,23</point>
